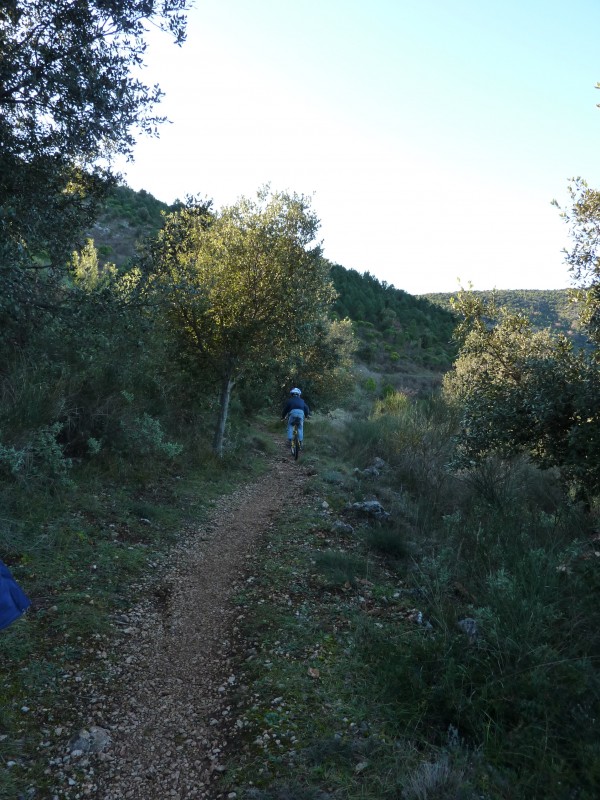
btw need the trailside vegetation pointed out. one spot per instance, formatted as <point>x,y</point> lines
<point>525,391</point>
<point>536,393</point>
<point>245,287</point>
<point>69,102</point>
<point>448,650</point>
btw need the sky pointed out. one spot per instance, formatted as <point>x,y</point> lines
<point>431,135</point>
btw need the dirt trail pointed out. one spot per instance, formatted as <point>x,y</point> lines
<point>166,715</point>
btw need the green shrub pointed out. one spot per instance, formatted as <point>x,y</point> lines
<point>369,385</point>
<point>393,403</point>
<point>40,461</point>
<point>340,568</point>
<point>145,436</point>
<point>387,541</point>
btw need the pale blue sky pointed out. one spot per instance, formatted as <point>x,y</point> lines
<point>432,135</point>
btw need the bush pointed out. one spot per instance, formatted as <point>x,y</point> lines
<point>40,461</point>
<point>144,436</point>
<point>387,541</point>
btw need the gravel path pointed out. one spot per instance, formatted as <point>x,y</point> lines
<point>169,715</point>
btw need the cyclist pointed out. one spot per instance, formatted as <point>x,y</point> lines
<point>295,409</point>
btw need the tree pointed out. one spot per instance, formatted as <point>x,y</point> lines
<point>69,102</point>
<point>65,75</point>
<point>524,392</point>
<point>583,258</point>
<point>534,392</point>
<point>323,363</point>
<point>243,286</point>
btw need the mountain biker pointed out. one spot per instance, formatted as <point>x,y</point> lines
<point>297,409</point>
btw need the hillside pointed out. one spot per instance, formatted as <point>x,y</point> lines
<point>546,308</point>
<point>394,327</point>
<point>127,217</point>
<point>399,333</point>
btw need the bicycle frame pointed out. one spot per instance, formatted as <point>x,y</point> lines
<point>295,441</point>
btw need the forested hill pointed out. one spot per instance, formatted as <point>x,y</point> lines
<point>127,217</point>
<point>546,308</point>
<point>393,325</point>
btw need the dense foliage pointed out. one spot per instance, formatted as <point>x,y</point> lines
<point>392,324</point>
<point>536,393</point>
<point>79,371</point>
<point>544,308</point>
<point>69,102</point>
<point>244,287</point>
<point>583,258</point>
<point>521,391</point>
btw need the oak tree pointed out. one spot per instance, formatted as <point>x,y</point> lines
<point>70,99</point>
<point>243,286</point>
<point>524,391</point>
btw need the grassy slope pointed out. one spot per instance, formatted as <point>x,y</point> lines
<point>362,682</point>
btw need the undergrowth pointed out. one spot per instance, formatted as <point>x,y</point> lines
<point>81,553</point>
<point>449,651</point>
<point>445,650</point>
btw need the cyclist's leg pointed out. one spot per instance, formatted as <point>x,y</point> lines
<point>301,430</point>
<point>292,419</point>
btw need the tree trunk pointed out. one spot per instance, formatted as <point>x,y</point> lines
<point>224,398</point>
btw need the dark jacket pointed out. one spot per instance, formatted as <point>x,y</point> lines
<point>13,600</point>
<point>293,403</point>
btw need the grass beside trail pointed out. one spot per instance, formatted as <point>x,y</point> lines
<point>321,609</point>
<point>82,555</point>
<point>450,652</point>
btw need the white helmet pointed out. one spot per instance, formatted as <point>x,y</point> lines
<point>296,392</point>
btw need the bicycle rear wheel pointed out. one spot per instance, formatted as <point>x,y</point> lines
<point>295,445</point>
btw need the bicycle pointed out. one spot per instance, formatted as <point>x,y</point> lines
<point>296,443</point>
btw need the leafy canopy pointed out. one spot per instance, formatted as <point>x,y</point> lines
<point>70,100</point>
<point>521,391</point>
<point>244,287</point>
<point>65,75</point>
<point>244,284</point>
<point>583,257</point>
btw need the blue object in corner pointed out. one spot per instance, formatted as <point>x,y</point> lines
<point>13,600</point>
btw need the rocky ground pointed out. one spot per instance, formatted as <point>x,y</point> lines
<point>161,724</point>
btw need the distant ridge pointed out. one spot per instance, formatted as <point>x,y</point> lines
<point>546,308</point>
